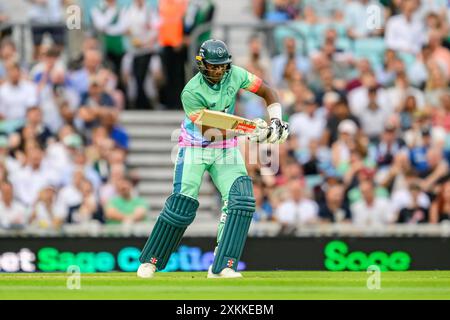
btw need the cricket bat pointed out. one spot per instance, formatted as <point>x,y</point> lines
<point>225,121</point>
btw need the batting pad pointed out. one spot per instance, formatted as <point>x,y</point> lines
<point>178,213</point>
<point>241,206</point>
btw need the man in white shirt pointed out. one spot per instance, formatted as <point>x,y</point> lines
<point>280,61</point>
<point>29,180</point>
<point>108,18</point>
<point>403,32</point>
<point>358,14</point>
<point>371,211</point>
<point>12,213</point>
<point>297,209</point>
<point>16,95</point>
<point>309,124</point>
<point>359,100</point>
<point>142,23</point>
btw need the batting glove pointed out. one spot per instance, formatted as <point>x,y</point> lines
<point>277,132</point>
<point>259,134</point>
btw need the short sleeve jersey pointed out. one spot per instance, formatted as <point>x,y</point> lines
<point>198,94</point>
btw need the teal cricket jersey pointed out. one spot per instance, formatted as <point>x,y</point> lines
<point>199,94</point>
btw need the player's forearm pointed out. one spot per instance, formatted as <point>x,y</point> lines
<point>268,94</point>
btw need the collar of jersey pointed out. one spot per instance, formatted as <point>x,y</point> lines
<point>217,86</point>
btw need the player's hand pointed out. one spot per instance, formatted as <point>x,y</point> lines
<point>277,132</point>
<point>259,134</point>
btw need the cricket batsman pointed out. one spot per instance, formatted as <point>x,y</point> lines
<point>215,87</point>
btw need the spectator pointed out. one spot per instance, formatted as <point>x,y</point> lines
<point>418,71</point>
<point>117,133</point>
<point>8,54</point>
<point>5,29</point>
<point>109,20</point>
<point>89,209</point>
<point>252,106</point>
<point>323,11</point>
<point>95,105</point>
<point>435,23</point>
<point>58,101</point>
<point>7,162</point>
<point>426,7</point>
<point>16,96</point>
<point>359,98</point>
<point>371,210</point>
<point>33,129</point>
<point>290,169</point>
<point>70,197</point>
<point>356,170</point>
<point>50,61</point>
<point>296,210</point>
<point>103,148</point>
<point>45,212</point>
<point>407,111</point>
<point>441,116</point>
<point>330,100</point>
<point>173,50</point>
<point>290,55</point>
<point>373,117</point>
<point>333,208</point>
<point>142,25</point>
<point>80,162</point>
<point>29,180</point>
<point>439,53</point>
<point>314,157</point>
<point>80,79</point>
<point>263,210</point>
<point>109,190</point>
<point>46,17</point>
<point>401,90</point>
<point>436,84</point>
<point>342,147</point>
<point>411,205</point>
<point>60,153</point>
<point>404,33</point>
<point>339,113</point>
<point>255,63</point>
<point>440,208</point>
<point>435,169</point>
<point>198,13</point>
<point>384,152</point>
<point>357,15</point>
<point>89,42</point>
<point>387,72</point>
<point>126,208</point>
<point>12,213</point>
<point>307,125</point>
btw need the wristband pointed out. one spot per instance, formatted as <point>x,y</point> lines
<point>274,110</point>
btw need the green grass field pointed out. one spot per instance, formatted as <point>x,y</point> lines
<point>255,285</point>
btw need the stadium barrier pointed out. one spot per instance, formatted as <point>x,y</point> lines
<point>105,254</point>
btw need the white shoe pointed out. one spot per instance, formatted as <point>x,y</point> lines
<point>146,270</point>
<point>225,273</point>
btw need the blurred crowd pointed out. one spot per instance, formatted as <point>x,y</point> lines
<point>62,150</point>
<point>364,85</point>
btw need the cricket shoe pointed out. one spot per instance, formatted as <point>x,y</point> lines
<point>146,270</point>
<point>225,273</point>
